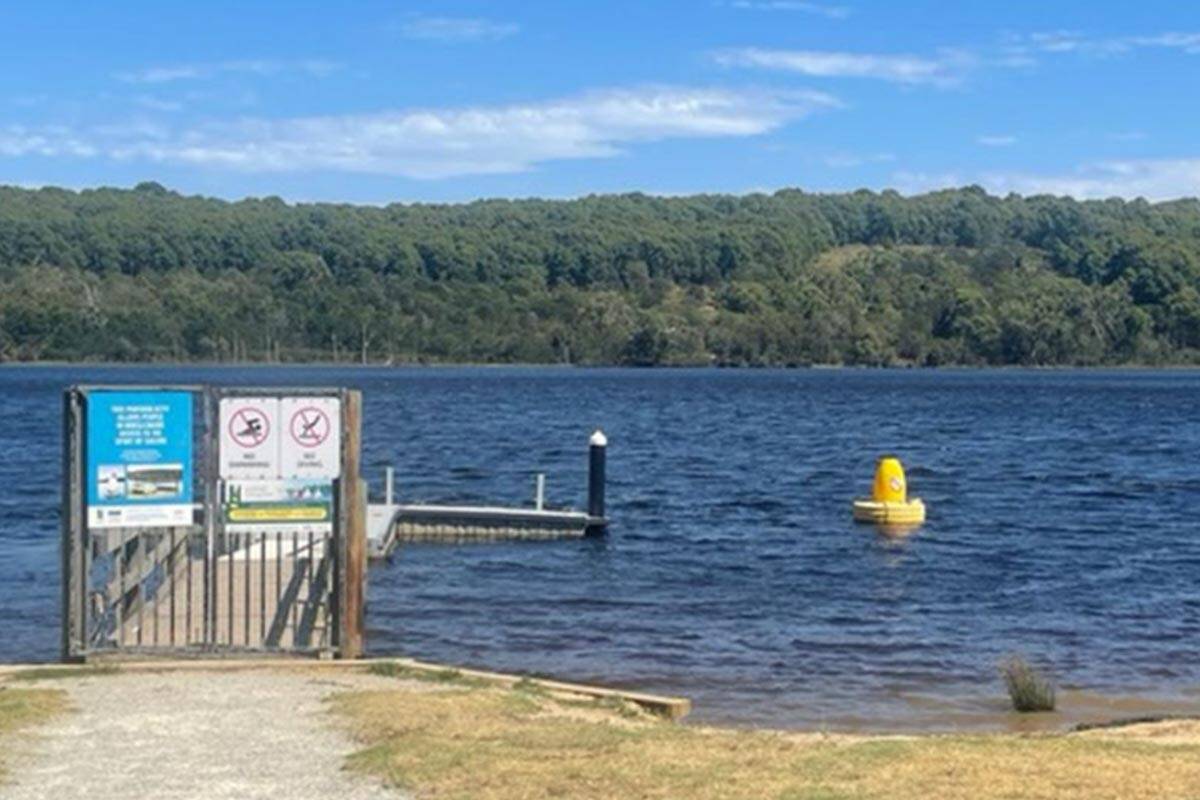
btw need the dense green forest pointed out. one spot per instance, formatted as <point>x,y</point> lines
<point>952,277</point>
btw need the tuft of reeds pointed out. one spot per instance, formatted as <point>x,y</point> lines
<point>1027,689</point>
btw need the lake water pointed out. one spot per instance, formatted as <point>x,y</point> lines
<point>1064,523</point>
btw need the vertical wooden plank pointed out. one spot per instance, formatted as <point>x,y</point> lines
<point>295,572</point>
<point>74,588</point>
<point>122,563</point>
<point>187,554</point>
<point>352,541</point>
<point>313,598</point>
<point>174,576</point>
<point>212,505</point>
<point>139,577</point>
<point>333,590</point>
<point>247,548</point>
<point>262,590</point>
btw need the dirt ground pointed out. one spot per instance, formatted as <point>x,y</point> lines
<point>254,734</point>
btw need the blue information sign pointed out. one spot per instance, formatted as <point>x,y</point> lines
<point>139,457</point>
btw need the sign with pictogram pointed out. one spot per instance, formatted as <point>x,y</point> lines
<point>311,444</point>
<point>249,446</point>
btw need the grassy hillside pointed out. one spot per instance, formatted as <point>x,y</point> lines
<point>954,277</point>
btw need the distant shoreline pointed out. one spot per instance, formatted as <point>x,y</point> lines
<point>436,365</point>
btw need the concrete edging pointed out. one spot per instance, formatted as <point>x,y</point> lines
<point>672,708</point>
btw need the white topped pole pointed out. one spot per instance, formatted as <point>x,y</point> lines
<point>597,454</point>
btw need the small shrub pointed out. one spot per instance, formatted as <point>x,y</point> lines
<point>1027,689</point>
<point>386,669</point>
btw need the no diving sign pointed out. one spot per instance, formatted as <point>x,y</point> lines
<point>311,445</point>
<point>249,437</point>
<point>272,438</point>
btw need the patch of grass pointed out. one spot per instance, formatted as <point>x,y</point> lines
<point>63,673</point>
<point>1027,689</point>
<point>497,744</point>
<point>388,669</point>
<point>529,686</point>
<point>453,677</point>
<point>21,708</point>
<point>612,705</point>
<point>445,676</point>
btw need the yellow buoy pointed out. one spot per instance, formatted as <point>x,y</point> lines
<point>889,503</point>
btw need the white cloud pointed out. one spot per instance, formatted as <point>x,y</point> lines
<point>851,160</point>
<point>1056,41</point>
<point>1187,42</point>
<point>1068,41</point>
<point>157,103</point>
<point>457,29</point>
<point>907,69</point>
<point>947,67</point>
<point>439,143</point>
<point>1153,179</point>
<point>907,182</point>
<point>996,140</point>
<point>818,9</point>
<point>261,67</point>
<point>52,140</point>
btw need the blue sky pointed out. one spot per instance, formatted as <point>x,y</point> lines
<point>447,101</point>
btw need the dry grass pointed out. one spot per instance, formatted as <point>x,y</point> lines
<point>493,744</point>
<point>62,673</point>
<point>20,708</point>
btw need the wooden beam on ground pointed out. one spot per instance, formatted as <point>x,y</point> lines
<point>670,707</point>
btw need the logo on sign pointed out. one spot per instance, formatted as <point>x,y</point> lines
<point>249,427</point>
<point>310,427</point>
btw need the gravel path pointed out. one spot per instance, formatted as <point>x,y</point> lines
<point>254,734</point>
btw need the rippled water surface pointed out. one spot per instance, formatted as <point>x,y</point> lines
<point>1063,523</point>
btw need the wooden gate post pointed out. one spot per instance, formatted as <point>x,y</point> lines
<point>74,555</point>
<point>352,541</point>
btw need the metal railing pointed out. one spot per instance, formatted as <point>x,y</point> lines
<point>168,591</point>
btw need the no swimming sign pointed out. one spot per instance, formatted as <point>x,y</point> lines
<point>266,438</point>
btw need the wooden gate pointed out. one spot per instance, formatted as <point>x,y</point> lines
<point>166,557</point>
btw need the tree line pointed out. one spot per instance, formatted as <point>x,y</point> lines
<point>790,278</point>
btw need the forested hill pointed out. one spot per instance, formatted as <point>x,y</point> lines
<point>954,277</point>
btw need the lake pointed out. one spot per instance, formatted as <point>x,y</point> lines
<point>1064,524</point>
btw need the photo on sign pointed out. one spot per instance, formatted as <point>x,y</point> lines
<point>159,481</point>
<point>139,481</point>
<point>110,480</point>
